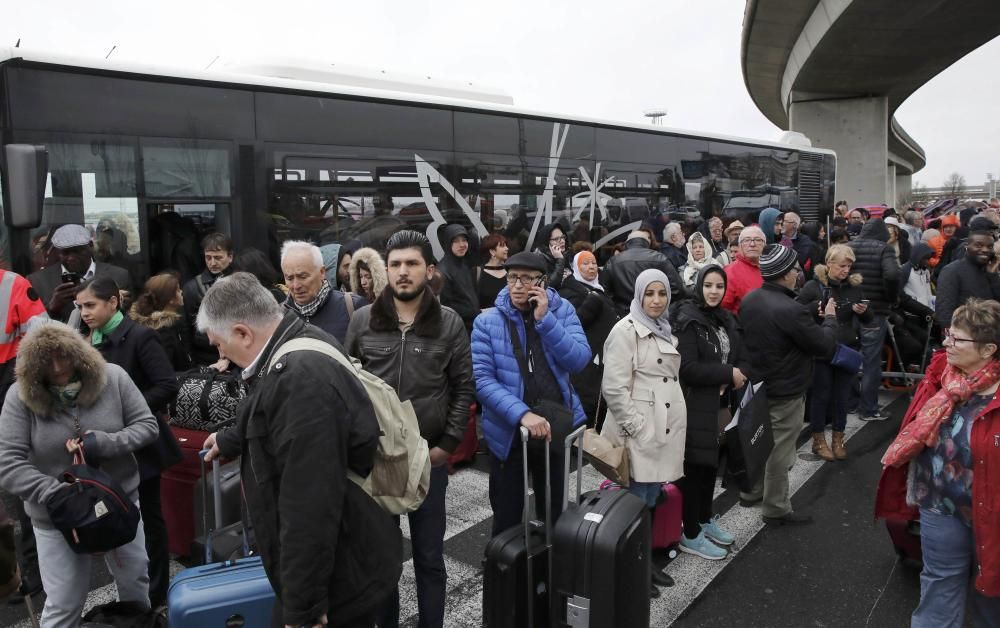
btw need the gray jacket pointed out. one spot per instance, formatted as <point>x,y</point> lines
<point>34,430</point>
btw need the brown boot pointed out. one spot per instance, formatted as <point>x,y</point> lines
<point>838,446</point>
<point>820,448</point>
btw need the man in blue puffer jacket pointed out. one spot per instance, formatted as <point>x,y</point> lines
<point>553,345</point>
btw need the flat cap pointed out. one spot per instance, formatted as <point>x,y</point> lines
<point>524,259</point>
<point>69,236</point>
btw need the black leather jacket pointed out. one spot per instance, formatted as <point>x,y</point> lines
<point>429,365</point>
<point>622,270</point>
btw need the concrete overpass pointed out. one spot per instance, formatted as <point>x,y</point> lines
<point>837,70</point>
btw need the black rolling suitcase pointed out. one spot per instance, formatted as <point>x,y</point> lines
<point>601,558</point>
<point>517,565</point>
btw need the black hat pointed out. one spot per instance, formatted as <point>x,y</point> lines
<point>776,261</point>
<point>524,259</point>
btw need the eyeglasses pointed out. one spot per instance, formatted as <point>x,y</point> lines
<point>525,280</point>
<point>752,241</point>
<point>954,340</point>
<point>558,239</point>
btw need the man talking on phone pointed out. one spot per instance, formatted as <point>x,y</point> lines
<point>56,284</point>
<point>523,352</point>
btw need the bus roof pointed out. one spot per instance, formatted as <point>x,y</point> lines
<point>355,82</point>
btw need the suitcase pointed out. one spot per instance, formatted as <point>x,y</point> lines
<point>231,512</point>
<point>517,565</point>
<point>229,593</point>
<point>905,537</point>
<point>668,521</point>
<point>601,558</point>
<point>467,449</point>
<point>177,488</point>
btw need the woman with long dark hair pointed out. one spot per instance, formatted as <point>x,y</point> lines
<point>138,351</point>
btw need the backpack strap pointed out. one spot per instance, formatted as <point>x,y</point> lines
<point>349,304</point>
<point>202,288</point>
<point>312,344</point>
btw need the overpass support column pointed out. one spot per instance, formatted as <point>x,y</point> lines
<point>858,129</point>
<point>904,189</point>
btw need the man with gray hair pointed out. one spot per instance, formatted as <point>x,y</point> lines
<point>331,553</point>
<point>310,295</point>
<point>622,269</point>
<point>743,275</point>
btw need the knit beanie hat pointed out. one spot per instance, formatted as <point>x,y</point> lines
<point>776,261</point>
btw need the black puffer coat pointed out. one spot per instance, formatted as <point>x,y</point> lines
<point>622,270</point>
<point>597,314</point>
<point>845,294</point>
<point>703,373</point>
<point>876,261</point>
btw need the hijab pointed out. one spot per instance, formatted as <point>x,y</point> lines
<point>716,315</point>
<point>706,257</point>
<point>579,257</point>
<point>659,326</point>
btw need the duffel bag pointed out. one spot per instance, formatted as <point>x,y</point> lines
<point>206,399</point>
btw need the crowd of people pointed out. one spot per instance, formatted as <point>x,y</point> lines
<point>651,342</point>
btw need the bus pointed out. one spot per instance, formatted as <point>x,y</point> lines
<point>151,160</point>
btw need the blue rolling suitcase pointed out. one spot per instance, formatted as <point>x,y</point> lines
<point>230,593</point>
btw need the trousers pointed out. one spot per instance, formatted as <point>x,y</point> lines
<point>787,416</point>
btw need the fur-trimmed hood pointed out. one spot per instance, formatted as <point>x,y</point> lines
<point>371,259</point>
<point>33,358</point>
<point>157,320</point>
<point>822,275</point>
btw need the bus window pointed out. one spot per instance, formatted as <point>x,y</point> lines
<point>186,168</point>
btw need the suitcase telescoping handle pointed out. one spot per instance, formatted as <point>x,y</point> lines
<point>217,500</point>
<point>575,435</point>
<point>525,437</point>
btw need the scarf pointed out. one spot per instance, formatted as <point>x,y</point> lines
<point>97,336</point>
<point>659,326</point>
<point>924,429</point>
<point>309,310</point>
<point>716,315</point>
<point>706,257</point>
<point>596,285</point>
<point>66,395</point>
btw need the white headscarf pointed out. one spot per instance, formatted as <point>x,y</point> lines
<point>596,285</point>
<point>659,326</point>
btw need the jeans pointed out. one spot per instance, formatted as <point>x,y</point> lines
<point>872,339</point>
<point>786,424</point>
<point>427,528</point>
<point>507,483</point>
<point>648,492</point>
<point>949,549</point>
<point>831,387</point>
<point>66,575</point>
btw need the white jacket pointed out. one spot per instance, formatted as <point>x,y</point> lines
<point>644,401</point>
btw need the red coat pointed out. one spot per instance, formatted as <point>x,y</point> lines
<point>890,501</point>
<point>742,278</point>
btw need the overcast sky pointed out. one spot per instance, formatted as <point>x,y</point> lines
<point>602,60</point>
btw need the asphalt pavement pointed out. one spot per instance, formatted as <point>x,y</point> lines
<point>839,571</point>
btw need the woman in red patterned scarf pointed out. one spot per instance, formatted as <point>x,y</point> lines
<point>945,462</point>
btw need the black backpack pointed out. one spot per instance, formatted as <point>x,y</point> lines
<point>93,512</point>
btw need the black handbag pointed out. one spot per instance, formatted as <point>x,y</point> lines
<point>749,443</point>
<point>92,511</point>
<point>560,417</point>
<point>206,399</point>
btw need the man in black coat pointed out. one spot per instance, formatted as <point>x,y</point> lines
<point>782,339</point>
<point>56,284</point>
<point>876,261</point>
<point>621,271</point>
<point>975,275</point>
<point>331,553</point>
<point>421,349</point>
<point>218,252</point>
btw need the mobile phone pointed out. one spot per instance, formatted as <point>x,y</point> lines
<point>73,278</point>
<point>865,301</point>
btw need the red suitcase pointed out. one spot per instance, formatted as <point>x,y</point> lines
<point>668,523</point>
<point>905,537</point>
<point>177,491</point>
<point>467,449</point>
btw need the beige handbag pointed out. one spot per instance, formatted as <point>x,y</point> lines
<point>609,459</point>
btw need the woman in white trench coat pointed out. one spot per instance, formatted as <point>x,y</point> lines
<point>645,403</point>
